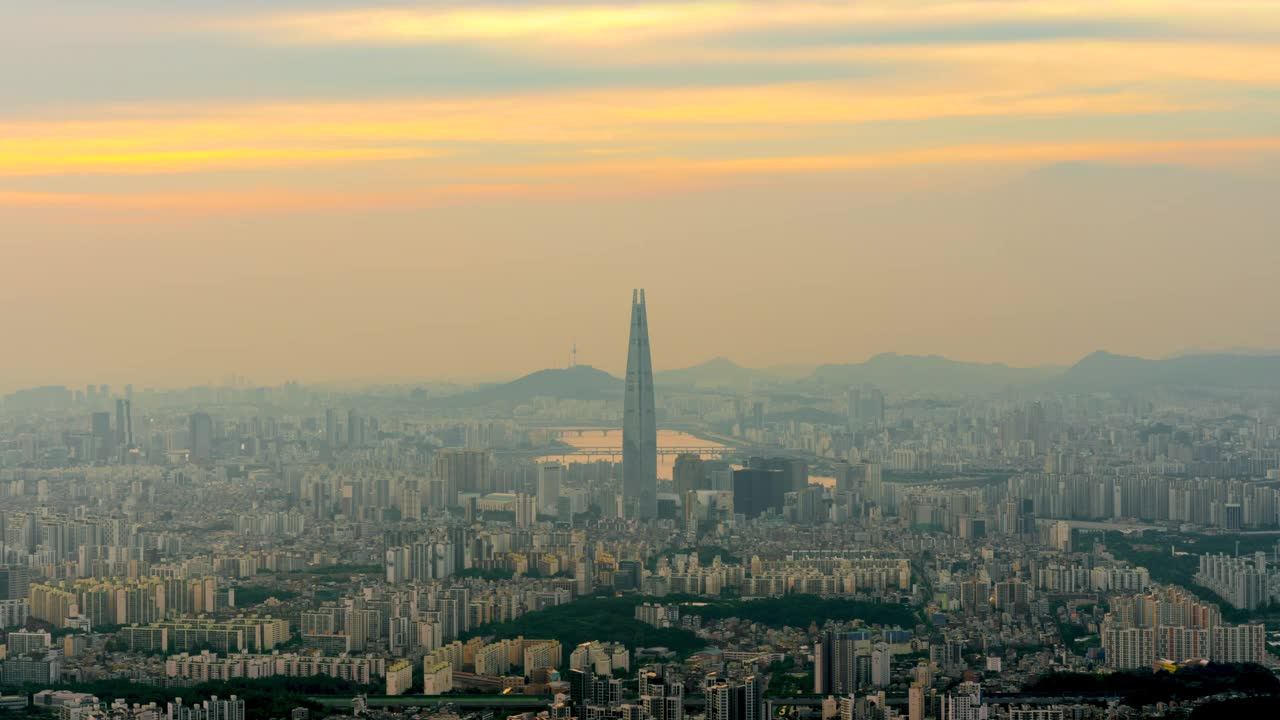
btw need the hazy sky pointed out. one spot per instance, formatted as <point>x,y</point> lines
<point>329,190</point>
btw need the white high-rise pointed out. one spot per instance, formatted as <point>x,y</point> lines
<point>550,480</point>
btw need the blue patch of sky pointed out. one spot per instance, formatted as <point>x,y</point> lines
<point>187,69</point>
<point>1002,32</point>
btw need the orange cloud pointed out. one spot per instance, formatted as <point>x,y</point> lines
<point>89,156</point>
<point>1184,151</point>
<point>147,140</point>
<point>613,176</point>
<point>602,25</point>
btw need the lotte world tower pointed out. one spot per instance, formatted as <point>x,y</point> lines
<point>639,425</point>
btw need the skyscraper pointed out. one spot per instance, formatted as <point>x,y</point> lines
<point>462,470</point>
<point>330,432</point>
<point>550,479</point>
<point>201,430</point>
<point>124,425</point>
<point>757,489</point>
<point>687,473</point>
<point>639,426</point>
<point>835,658</point>
<point>101,425</point>
<point>355,429</point>
<point>15,582</point>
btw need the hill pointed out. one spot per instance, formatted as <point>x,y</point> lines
<point>1102,371</point>
<point>581,382</point>
<point>719,372</point>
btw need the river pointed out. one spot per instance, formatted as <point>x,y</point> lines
<point>611,438</point>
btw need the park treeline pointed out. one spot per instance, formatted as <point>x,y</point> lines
<point>613,619</point>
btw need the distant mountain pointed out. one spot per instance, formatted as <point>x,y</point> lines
<point>1104,371</point>
<point>929,373</point>
<point>581,382</point>
<point>925,374</point>
<point>1101,371</point>
<point>717,372</point>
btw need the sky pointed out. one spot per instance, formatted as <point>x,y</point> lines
<point>332,190</point>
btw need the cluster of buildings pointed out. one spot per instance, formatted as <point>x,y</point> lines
<point>1170,625</point>
<point>380,543</point>
<point>1244,583</point>
<point>208,666</point>
<point>1229,504</point>
<point>121,601</point>
<point>69,705</point>
<point>238,634</point>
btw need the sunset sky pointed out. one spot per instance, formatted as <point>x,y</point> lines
<point>330,190</point>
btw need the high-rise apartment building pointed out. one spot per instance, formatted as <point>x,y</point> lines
<point>881,665</point>
<point>662,700</point>
<point>733,699</point>
<point>526,507</point>
<point>836,663</point>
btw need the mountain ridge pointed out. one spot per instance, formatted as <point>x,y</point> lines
<point>1098,371</point>
<point>929,373</point>
<point>1102,371</point>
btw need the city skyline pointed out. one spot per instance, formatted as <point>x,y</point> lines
<point>314,405</point>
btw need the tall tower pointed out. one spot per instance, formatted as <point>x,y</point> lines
<point>639,426</point>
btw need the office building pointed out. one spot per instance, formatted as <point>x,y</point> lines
<point>15,582</point>
<point>550,480</point>
<point>687,474</point>
<point>124,425</point>
<point>201,428</point>
<point>461,470</point>
<point>757,490</point>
